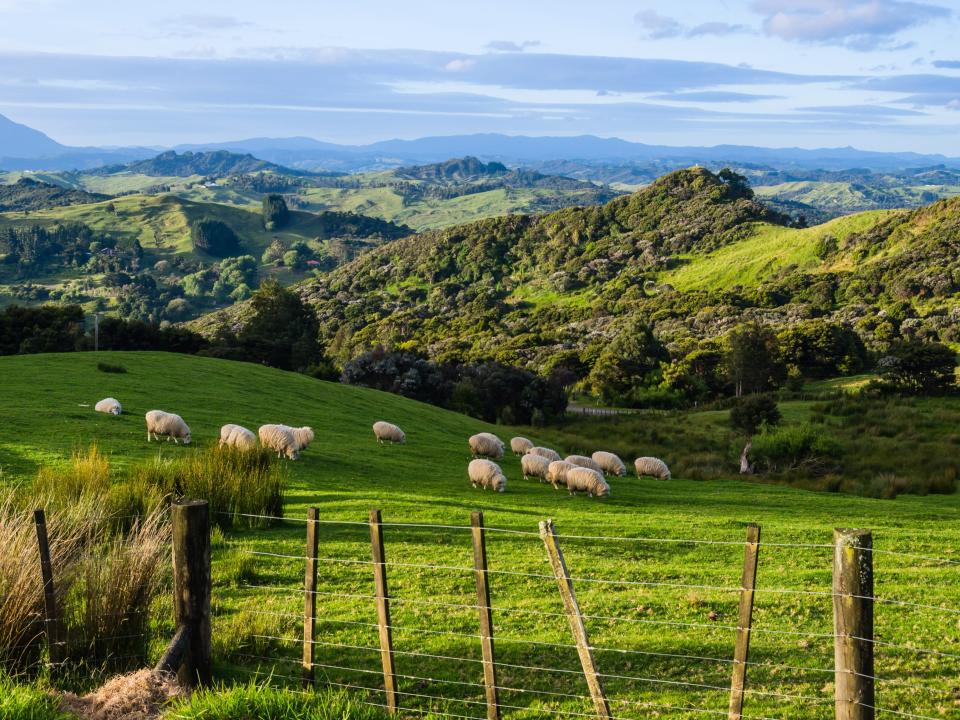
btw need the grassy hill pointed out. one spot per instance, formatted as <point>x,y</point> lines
<point>46,408</point>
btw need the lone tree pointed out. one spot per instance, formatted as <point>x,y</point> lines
<point>753,360</point>
<point>283,331</point>
<point>748,416</point>
<point>916,367</point>
<point>275,212</point>
<point>214,238</point>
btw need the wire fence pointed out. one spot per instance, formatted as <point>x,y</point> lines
<point>663,616</point>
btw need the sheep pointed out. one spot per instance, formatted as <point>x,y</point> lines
<point>610,463</point>
<point>534,466</point>
<point>584,461</point>
<point>549,454</point>
<point>486,474</point>
<point>167,424</point>
<point>652,466</point>
<point>302,435</point>
<point>238,437</point>
<point>388,432</point>
<point>281,439</point>
<point>109,405</point>
<point>520,445</point>
<point>486,444</point>
<point>557,473</point>
<point>584,479</point>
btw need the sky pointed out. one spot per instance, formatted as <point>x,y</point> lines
<point>873,74</point>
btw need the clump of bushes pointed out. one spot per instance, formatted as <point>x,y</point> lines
<point>802,448</point>
<point>108,368</point>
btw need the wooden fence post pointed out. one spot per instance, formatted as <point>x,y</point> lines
<point>574,616</point>
<point>191,586</point>
<point>853,624</point>
<point>383,611</point>
<point>310,597</point>
<point>741,654</point>
<point>486,614</point>
<point>54,625</point>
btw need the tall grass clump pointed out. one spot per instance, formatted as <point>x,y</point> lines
<point>256,700</point>
<point>25,702</point>
<point>238,484</point>
<point>88,472</point>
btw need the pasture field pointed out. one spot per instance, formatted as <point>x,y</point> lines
<point>657,565</point>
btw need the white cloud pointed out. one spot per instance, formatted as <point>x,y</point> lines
<point>658,26</point>
<point>460,65</point>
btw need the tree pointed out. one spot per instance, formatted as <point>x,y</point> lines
<point>919,368</point>
<point>283,331</point>
<point>275,212</point>
<point>748,416</point>
<point>822,349</point>
<point>214,238</point>
<point>753,359</point>
<point>628,363</point>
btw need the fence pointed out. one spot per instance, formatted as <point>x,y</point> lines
<point>469,621</point>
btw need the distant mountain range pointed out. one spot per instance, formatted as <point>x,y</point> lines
<point>23,148</point>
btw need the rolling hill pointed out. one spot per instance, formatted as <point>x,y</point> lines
<point>220,162</point>
<point>46,406</point>
<point>692,255</point>
<point>28,194</point>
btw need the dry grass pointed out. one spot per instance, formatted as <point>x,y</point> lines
<point>138,696</point>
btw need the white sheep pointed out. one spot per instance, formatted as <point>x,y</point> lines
<point>238,437</point>
<point>302,435</point>
<point>486,444</point>
<point>584,461</point>
<point>610,463</point>
<point>534,466</point>
<point>557,473</point>
<point>281,439</point>
<point>520,445</point>
<point>160,423</point>
<point>581,479</point>
<point>652,466</point>
<point>388,432</point>
<point>549,454</point>
<point>486,474</point>
<point>110,405</point>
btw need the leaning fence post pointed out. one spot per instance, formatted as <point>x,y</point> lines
<point>54,625</point>
<point>383,611</point>
<point>486,614</point>
<point>191,585</point>
<point>574,616</point>
<point>853,624</point>
<point>741,653</point>
<point>310,597</point>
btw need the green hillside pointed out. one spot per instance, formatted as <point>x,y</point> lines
<point>46,404</point>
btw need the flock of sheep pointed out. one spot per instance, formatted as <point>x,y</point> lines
<point>577,473</point>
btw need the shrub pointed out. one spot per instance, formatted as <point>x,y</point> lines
<point>108,368</point>
<point>214,238</point>
<point>796,447</point>
<point>754,412</point>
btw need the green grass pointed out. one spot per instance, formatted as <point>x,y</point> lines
<point>259,701</point>
<point>27,702</point>
<point>770,250</point>
<point>258,602</point>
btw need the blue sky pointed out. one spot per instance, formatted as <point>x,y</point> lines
<point>875,74</point>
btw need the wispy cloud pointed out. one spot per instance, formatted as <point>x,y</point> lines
<point>714,96</point>
<point>855,24</point>
<point>660,27</point>
<point>947,64</point>
<point>511,46</point>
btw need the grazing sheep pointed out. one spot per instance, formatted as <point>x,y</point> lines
<point>610,463</point>
<point>557,473</point>
<point>238,437</point>
<point>652,466</point>
<point>388,432</point>
<point>281,439</point>
<point>167,424</point>
<point>486,444</point>
<point>520,445</point>
<point>549,454</point>
<point>486,474</point>
<point>584,461</point>
<point>302,435</point>
<point>111,406</point>
<point>582,479</point>
<point>534,466</point>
